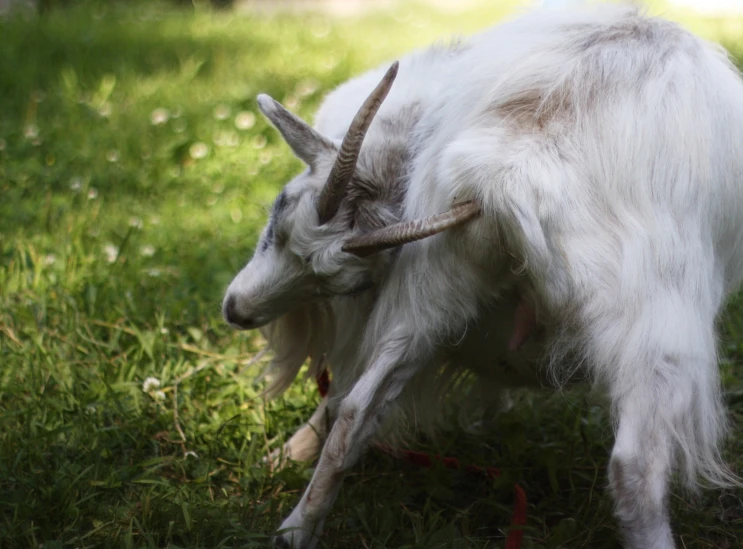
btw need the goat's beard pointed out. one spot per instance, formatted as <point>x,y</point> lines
<point>304,332</point>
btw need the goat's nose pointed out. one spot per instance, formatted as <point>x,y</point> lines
<point>233,317</point>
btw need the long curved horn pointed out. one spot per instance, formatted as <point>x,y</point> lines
<point>410,231</point>
<point>345,163</point>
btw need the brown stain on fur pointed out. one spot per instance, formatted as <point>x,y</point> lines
<point>535,110</point>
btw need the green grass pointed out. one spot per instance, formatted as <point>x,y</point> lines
<point>118,237</point>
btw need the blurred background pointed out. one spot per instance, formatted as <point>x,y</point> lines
<point>135,175</point>
<point>721,7</point>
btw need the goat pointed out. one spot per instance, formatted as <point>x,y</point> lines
<point>580,167</point>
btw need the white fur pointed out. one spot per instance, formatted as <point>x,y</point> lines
<point>606,151</point>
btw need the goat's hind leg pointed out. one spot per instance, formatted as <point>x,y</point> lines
<point>670,416</point>
<point>639,473</point>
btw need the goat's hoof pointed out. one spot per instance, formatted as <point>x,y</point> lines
<point>281,543</point>
<point>278,458</point>
<point>285,541</point>
<point>295,537</point>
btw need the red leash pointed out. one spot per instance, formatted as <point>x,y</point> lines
<point>513,541</point>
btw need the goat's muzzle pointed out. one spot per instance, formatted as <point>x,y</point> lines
<point>233,316</point>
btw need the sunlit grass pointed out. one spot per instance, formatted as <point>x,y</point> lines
<point>135,172</point>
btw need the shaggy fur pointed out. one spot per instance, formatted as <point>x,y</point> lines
<point>605,149</point>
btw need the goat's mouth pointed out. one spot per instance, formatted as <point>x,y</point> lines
<point>248,323</point>
<point>236,319</point>
<point>241,323</point>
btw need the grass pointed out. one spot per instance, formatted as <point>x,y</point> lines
<point>134,176</point>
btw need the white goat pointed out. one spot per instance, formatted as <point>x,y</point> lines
<point>589,164</point>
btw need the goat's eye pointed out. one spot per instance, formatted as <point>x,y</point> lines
<point>308,259</point>
<point>281,241</point>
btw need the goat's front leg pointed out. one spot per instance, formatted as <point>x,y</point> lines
<point>306,443</point>
<point>358,417</point>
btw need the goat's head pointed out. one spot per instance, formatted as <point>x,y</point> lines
<point>311,248</point>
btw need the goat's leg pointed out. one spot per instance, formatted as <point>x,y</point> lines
<point>659,424</point>
<point>358,417</point>
<point>664,384</point>
<point>639,473</point>
<point>306,443</point>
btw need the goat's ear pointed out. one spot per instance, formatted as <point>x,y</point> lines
<point>306,142</point>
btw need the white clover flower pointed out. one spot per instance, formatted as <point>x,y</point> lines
<point>90,409</point>
<point>92,193</point>
<point>147,250</point>
<point>105,110</point>
<point>179,126</point>
<point>159,116</point>
<point>136,222</point>
<point>49,259</point>
<point>244,120</point>
<point>226,139</point>
<point>259,142</point>
<point>164,330</point>
<point>221,111</point>
<point>198,150</point>
<point>31,131</point>
<point>320,29</point>
<point>111,252</point>
<point>232,139</point>
<point>154,272</point>
<point>329,63</point>
<point>76,183</point>
<point>150,384</point>
<point>112,156</point>
<point>158,395</point>
<point>307,87</point>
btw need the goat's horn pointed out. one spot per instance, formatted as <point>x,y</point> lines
<point>345,163</point>
<point>410,231</point>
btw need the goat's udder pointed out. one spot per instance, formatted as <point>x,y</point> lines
<point>524,322</point>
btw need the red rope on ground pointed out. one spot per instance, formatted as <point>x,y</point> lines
<point>421,459</point>
<point>519,519</point>
<point>426,460</point>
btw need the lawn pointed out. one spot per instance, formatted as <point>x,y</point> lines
<point>135,174</point>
